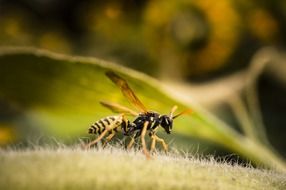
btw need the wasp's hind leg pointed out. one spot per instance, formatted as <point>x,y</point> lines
<point>107,128</point>
<point>131,143</point>
<point>109,138</point>
<point>87,146</point>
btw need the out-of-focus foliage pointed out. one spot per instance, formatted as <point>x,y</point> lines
<point>100,169</point>
<point>7,134</point>
<point>184,39</point>
<point>48,94</point>
<point>195,36</point>
<point>180,39</point>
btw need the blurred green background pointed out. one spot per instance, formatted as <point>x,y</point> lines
<point>187,42</point>
<point>198,38</point>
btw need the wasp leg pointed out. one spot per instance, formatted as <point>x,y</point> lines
<point>153,143</point>
<point>131,143</point>
<point>108,138</point>
<point>165,146</point>
<point>133,137</point>
<point>87,146</point>
<point>143,133</point>
<point>115,124</point>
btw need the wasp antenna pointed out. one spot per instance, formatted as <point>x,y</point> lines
<point>174,108</point>
<point>183,112</point>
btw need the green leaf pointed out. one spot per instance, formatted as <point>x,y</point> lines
<point>59,95</point>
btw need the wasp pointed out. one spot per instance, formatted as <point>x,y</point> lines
<point>145,121</point>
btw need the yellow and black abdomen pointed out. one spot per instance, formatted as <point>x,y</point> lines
<point>99,126</point>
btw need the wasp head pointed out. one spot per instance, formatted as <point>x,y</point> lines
<point>166,123</point>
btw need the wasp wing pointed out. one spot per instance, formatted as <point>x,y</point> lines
<point>126,90</point>
<point>118,108</point>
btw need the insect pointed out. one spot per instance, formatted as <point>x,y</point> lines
<point>145,121</point>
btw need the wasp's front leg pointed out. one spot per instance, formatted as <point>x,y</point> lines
<point>165,146</point>
<point>154,139</point>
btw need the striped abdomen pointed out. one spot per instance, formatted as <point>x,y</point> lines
<point>99,126</point>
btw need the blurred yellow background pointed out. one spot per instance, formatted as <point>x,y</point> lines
<point>183,40</point>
